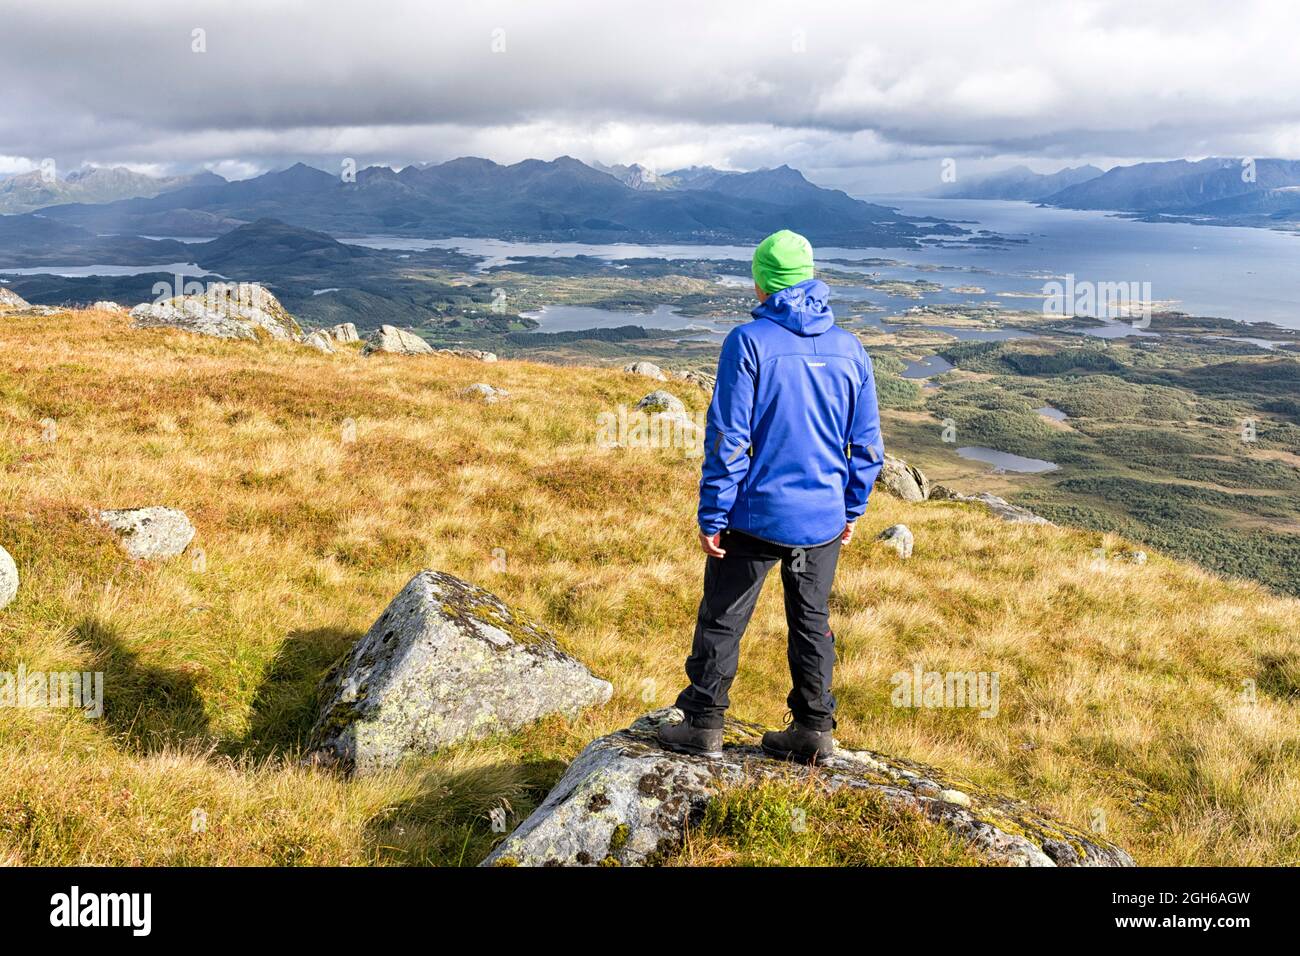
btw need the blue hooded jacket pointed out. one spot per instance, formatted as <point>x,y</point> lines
<point>792,444</point>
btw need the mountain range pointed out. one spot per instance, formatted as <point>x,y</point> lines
<point>562,199</point>
<point>26,192</point>
<point>1225,191</point>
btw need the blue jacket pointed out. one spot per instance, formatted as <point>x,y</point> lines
<point>792,444</point>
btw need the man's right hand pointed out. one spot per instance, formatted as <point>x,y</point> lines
<point>709,544</point>
<point>847,535</point>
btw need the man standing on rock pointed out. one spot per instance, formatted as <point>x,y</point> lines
<point>791,449</point>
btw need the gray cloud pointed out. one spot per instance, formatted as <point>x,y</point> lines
<point>856,93</point>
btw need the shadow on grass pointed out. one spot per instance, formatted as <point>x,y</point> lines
<point>284,706</point>
<point>459,816</point>
<point>146,707</point>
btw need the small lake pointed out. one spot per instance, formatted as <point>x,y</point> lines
<point>1055,414</point>
<point>571,318</point>
<point>927,367</point>
<point>1006,461</point>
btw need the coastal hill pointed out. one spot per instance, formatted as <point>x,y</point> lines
<point>1149,701</point>
<point>562,199</point>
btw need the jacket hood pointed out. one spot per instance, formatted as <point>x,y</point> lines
<point>802,308</point>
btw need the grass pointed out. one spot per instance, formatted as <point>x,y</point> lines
<point>784,823</point>
<point>1157,698</point>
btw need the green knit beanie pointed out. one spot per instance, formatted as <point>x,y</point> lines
<point>781,260</point>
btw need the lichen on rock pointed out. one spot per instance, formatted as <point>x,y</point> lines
<point>627,801</point>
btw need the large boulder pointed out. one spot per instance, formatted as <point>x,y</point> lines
<point>1000,507</point>
<point>395,341</point>
<point>624,800</point>
<point>12,300</point>
<point>447,661</point>
<point>648,369</point>
<point>150,534</point>
<point>902,480</point>
<point>241,310</point>
<point>8,578</point>
<point>321,342</point>
<point>662,403</point>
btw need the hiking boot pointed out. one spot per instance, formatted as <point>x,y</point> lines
<point>798,743</point>
<point>686,738</point>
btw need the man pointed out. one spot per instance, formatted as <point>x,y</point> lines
<point>792,447</point>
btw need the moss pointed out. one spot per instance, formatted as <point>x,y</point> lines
<point>618,839</point>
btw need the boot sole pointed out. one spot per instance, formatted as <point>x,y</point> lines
<point>690,751</point>
<point>792,756</point>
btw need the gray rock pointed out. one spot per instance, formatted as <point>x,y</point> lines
<point>699,379</point>
<point>150,534</point>
<point>902,480</point>
<point>12,300</point>
<point>321,342</point>
<point>395,341</point>
<point>8,578</point>
<point>661,401</point>
<point>343,332</point>
<point>242,310</point>
<point>106,306</point>
<point>484,392</point>
<point>625,800</point>
<point>648,369</point>
<point>477,354</point>
<point>447,661</point>
<point>1000,507</point>
<point>900,537</point>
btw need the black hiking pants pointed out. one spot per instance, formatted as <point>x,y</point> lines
<point>731,588</point>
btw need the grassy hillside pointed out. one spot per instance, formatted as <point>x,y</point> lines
<point>1122,684</point>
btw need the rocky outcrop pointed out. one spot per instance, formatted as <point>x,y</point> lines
<point>395,341</point>
<point>648,369</point>
<point>697,378</point>
<point>447,661</point>
<point>225,310</point>
<point>626,801</point>
<point>484,393</point>
<point>477,354</point>
<point>902,480</point>
<point>12,300</point>
<point>150,534</point>
<point>8,578</point>
<point>999,506</point>
<point>900,538</point>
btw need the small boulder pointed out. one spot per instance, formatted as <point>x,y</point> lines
<point>321,342</point>
<point>447,661</point>
<point>8,578</point>
<point>484,392</point>
<point>697,378</point>
<point>344,332</point>
<point>395,341</point>
<point>900,537</point>
<point>477,354</point>
<point>225,310</point>
<point>662,402</point>
<point>648,369</point>
<point>106,306</point>
<point>626,801</point>
<point>150,534</point>
<point>902,480</point>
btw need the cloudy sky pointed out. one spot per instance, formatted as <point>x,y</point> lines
<point>869,96</point>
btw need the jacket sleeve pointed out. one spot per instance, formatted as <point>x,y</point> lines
<point>866,448</point>
<point>727,433</point>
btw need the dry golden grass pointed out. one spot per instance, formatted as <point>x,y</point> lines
<point>1122,685</point>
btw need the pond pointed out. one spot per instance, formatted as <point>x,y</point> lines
<point>1005,460</point>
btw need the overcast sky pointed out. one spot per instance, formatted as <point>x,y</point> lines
<point>869,96</point>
